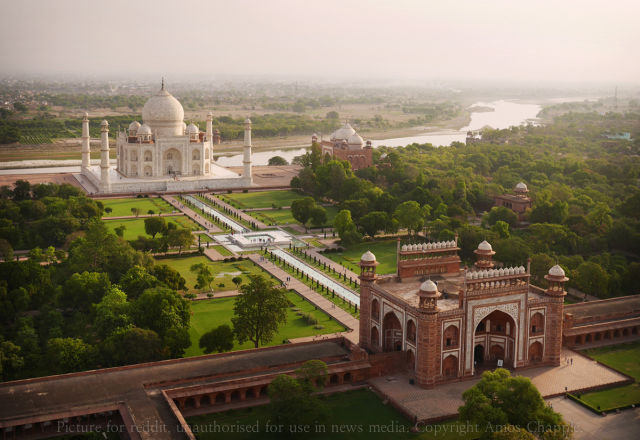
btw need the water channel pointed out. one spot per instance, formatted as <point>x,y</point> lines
<point>315,275</point>
<point>236,227</point>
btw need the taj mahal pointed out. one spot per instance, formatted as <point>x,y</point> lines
<point>161,154</point>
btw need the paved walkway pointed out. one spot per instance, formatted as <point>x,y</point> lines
<point>208,225</point>
<point>444,400</point>
<point>213,254</point>
<point>243,216</point>
<point>122,217</point>
<point>591,426</point>
<point>312,296</point>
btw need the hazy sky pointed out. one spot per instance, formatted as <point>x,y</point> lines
<point>581,40</point>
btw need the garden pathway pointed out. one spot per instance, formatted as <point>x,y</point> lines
<point>312,296</point>
<point>208,225</point>
<point>243,216</point>
<point>213,254</point>
<point>165,214</point>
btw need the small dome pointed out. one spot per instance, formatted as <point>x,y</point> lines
<point>556,271</point>
<point>184,126</point>
<point>368,257</point>
<point>104,123</point>
<point>86,115</point>
<point>404,247</point>
<point>484,246</point>
<point>144,129</point>
<point>247,121</point>
<point>522,269</point>
<point>429,286</point>
<point>192,129</point>
<point>355,141</point>
<point>501,272</point>
<point>521,186</point>
<point>133,127</point>
<point>343,133</point>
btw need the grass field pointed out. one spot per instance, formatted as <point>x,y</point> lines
<point>622,357</point>
<point>262,199</point>
<point>208,314</point>
<point>284,216</point>
<point>385,252</point>
<point>122,207</point>
<point>358,414</point>
<point>222,250</point>
<point>135,226</point>
<point>223,271</point>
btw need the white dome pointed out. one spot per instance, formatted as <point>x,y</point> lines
<point>355,141</point>
<point>143,129</point>
<point>164,113</point>
<point>404,247</point>
<point>133,127</point>
<point>521,186</point>
<point>522,269</point>
<point>429,286</point>
<point>368,257</point>
<point>556,271</point>
<point>247,121</point>
<point>192,129</point>
<point>484,246</point>
<point>343,133</point>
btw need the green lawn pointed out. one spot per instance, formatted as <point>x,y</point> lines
<point>224,272</point>
<point>284,216</point>
<point>262,199</point>
<point>622,357</point>
<point>222,250</point>
<point>122,207</point>
<point>135,226</point>
<point>207,314</point>
<point>360,411</point>
<point>385,252</point>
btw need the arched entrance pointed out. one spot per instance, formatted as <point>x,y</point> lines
<point>375,338</point>
<point>172,162</point>
<point>450,366</point>
<point>392,331</point>
<point>497,333</point>
<point>478,354</point>
<point>535,352</point>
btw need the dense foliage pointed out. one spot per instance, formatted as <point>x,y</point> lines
<point>100,304</point>
<point>586,201</point>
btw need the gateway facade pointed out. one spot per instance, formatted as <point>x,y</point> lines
<point>161,154</point>
<point>473,318</point>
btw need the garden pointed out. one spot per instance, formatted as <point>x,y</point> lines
<point>384,250</point>
<point>134,227</point>
<point>122,207</point>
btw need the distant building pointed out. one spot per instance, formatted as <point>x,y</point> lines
<point>619,136</point>
<point>473,138</point>
<point>346,144</point>
<point>518,202</point>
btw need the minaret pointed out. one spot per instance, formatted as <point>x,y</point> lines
<point>86,147</point>
<point>247,152</point>
<point>368,277</point>
<point>210,127</point>
<point>105,182</point>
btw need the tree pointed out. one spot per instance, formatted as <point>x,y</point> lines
<point>301,209</point>
<point>499,399</point>
<point>237,281</point>
<point>219,339</point>
<point>332,115</point>
<point>259,311</point>
<point>108,210</point>
<point>410,216</point>
<point>161,309</point>
<point>111,313</point>
<point>346,228</point>
<point>501,213</point>
<point>82,290</point>
<point>6,250</point>
<point>180,238</point>
<point>10,360</point>
<point>591,278</point>
<point>155,225</point>
<point>65,355</point>
<point>135,211</point>
<point>292,400</point>
<point>540,265</point>
<point>318,216</point>
<point>119,230</point>
<point>132,346</point>
<point>512,251</point>
<point>169,276</point>
<point>373,222</point>
<point>204,275</point>
<point>501,228</point>
<point>277,160</point>
<point>137,280</point>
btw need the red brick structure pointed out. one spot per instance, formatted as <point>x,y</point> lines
<point>346,144</point>
<point>472,318</point>
<point>518,202</point>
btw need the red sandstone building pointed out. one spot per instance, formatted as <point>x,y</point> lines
<point>346,144</point>
<point>472,318</point>
<point>518,202</point>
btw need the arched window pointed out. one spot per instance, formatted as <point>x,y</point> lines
<point>411,331</point>
<point>450,337</point>
<point>147,156</point>
<point>537,323</point>
<point>169,156</point>
<point>195,155</point>
<point>375,309</point>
